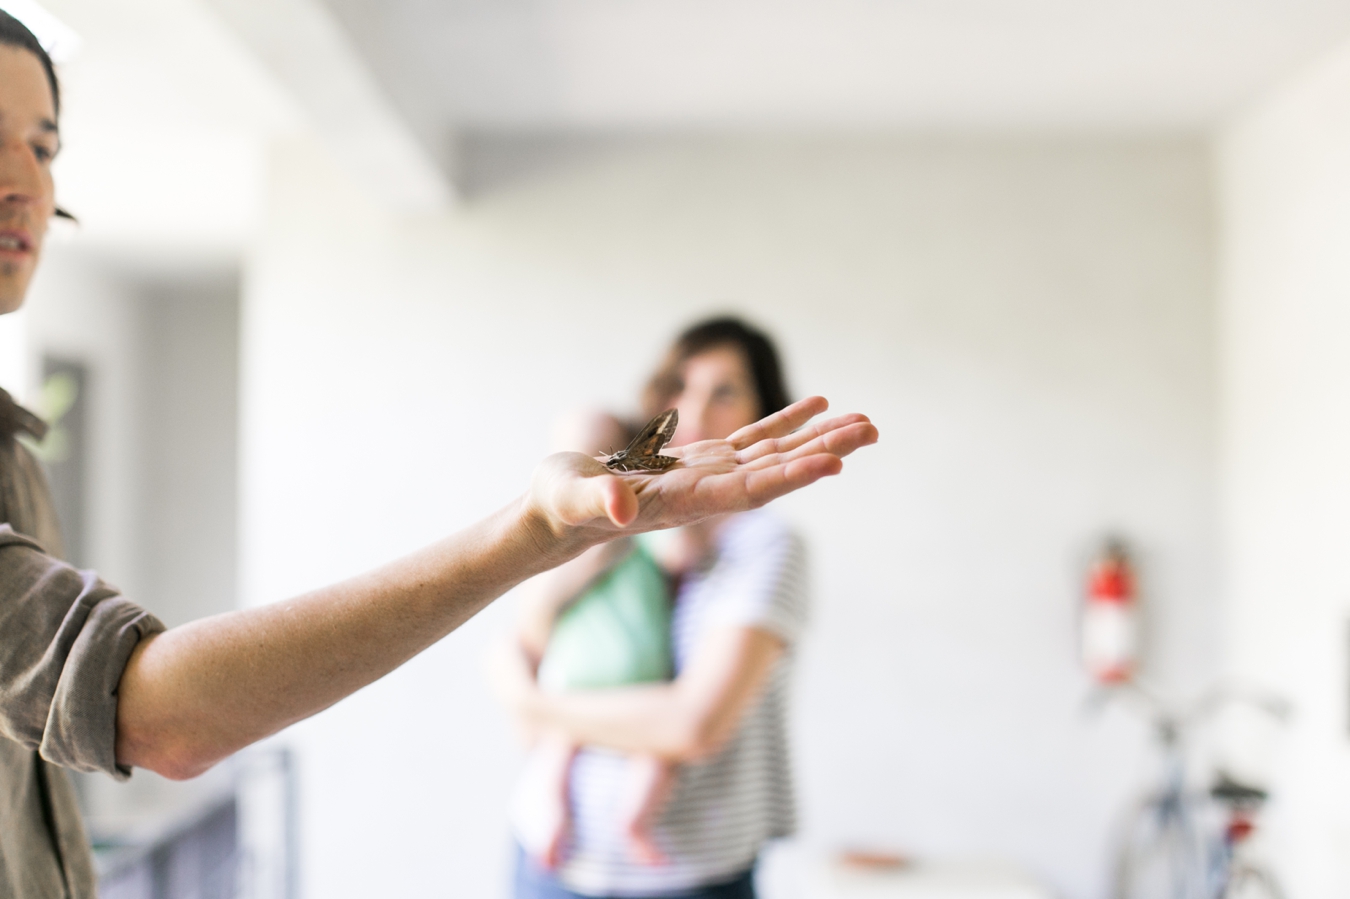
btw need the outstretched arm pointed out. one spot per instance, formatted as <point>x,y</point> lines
<point>193,695</point>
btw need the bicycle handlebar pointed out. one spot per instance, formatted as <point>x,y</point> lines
<point>1180,716</point>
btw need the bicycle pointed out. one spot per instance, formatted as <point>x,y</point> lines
<point>1163,851</point>
<point>1234,875</point>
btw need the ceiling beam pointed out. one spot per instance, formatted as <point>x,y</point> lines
<point>315,61</point>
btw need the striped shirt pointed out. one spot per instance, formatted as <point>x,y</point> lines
<point>724,808</point>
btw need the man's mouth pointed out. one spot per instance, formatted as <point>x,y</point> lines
<point>14,242</point>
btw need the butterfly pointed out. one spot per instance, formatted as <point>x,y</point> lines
<point>642,453</point>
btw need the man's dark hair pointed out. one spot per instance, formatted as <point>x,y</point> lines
<point>724,331</point>
<point>14,33</point>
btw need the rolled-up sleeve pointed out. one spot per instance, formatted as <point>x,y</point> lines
<point>65,637</point>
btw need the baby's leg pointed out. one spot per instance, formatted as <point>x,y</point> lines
<point>539,806</point>
<point>649,785</point>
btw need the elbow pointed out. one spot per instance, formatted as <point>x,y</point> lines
<point>154,732</point>
<point>176,756</point>
<point>173,759</point>
<point>696,740</point>
<point>181,767</point>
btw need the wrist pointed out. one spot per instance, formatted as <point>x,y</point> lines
<point>554,541</point>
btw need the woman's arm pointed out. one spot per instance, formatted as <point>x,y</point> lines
<point>684,720</point>
<point>193,695</point>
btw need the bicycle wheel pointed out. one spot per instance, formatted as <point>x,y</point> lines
<point>1160,856</point>
<point>1250,882</point>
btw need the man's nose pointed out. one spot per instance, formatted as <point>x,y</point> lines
<point>20,173</point>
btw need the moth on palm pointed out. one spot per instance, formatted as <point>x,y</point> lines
<point>643,454</point>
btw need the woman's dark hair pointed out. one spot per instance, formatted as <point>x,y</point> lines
<point>14,33</point>
<point>725,331</point>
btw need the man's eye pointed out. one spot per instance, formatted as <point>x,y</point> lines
<point>43,153</point>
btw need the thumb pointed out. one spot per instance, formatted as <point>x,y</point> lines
<point>580,498</point>
<point>621,503</point>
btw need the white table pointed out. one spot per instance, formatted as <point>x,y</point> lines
<point>938,880</point>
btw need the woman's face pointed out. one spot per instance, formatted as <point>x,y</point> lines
<point>718,397</point>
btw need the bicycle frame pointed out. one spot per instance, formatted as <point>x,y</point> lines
<point>1162,851</point>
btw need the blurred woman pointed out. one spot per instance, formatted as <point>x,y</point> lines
<point>598,622</point>
<point>739,609</point>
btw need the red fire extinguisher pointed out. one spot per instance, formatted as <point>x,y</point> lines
<point>1111,617</point>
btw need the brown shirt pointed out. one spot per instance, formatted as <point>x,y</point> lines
<point>65,637</point>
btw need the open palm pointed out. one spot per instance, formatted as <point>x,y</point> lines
<point>760,462</point>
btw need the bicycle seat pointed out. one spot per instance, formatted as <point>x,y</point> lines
<point>1226,789</point>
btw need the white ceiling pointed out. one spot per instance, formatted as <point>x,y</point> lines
<point>1115,65</point>
<point>164,126</point>
<point>162,90</point>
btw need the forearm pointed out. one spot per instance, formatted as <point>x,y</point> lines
<point>688,718</point>
<point>652,719</point>
<point>195,694</point>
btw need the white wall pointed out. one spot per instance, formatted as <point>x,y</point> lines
<point>79,309</point>
<point>1030,324</point>
<point>1285,191</point>
<point>163,365</point>
<point>191,438</point>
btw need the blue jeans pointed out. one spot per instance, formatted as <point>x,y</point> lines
<point>532,882</point>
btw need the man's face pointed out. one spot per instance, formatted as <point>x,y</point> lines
<point>28,142</point>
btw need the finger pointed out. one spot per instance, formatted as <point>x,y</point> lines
<point>779,423</point>
<point>799,437</point>
<point>749,489</point>
<point>837,442</point>
<point>620,502</point>
<point>777,480</point>
<point>580,500</point>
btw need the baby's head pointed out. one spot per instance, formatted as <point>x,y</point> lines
<point>591,432</point>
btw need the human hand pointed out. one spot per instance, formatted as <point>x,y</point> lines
<point>579,500</point>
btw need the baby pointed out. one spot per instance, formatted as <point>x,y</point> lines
<point>602,620</point>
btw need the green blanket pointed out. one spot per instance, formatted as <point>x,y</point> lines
<point>616,633</point>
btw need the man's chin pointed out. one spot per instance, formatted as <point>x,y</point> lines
<point>10,300</point>
<point>13,288</point>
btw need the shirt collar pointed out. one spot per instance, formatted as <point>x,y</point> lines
<point>15,418</point>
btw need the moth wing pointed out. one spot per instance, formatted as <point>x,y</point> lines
<point>655,435</point>
<point>641,463</point>
<point>662,463</point>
